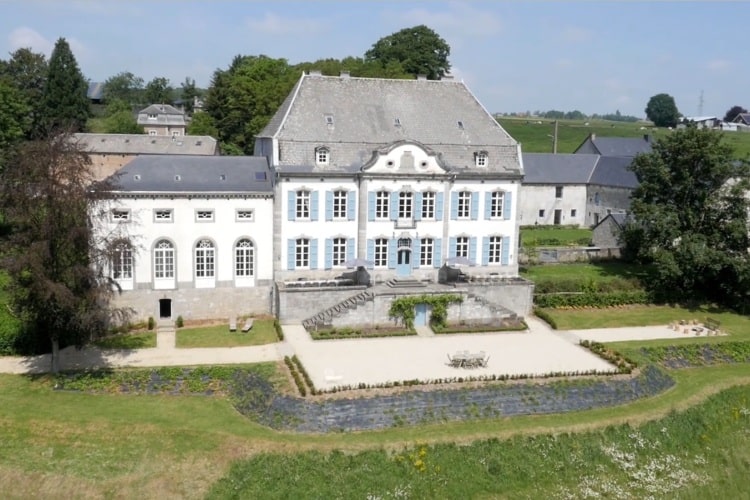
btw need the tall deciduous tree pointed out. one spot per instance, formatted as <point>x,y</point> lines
<point>158,91</point>
<point>662,110</point>
<point>15,118</point>
<point>733,112</point>
<point>189,93</point>
<point>119,119</point>
<point>126,87</point>
<point>419,50</point>
<point>690,215</point>
<point>202,124</point>
<point>57,265</point>
<point>27,72</point>
<point>65,105</point>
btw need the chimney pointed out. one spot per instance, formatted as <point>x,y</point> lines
<point>592,136</point>
<point>315,72</point>
<point>446,77</point>
<point>344,74</point>
<point>421,77</point>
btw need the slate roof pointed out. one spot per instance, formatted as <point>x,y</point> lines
<point>616,146</point>
<point>194,174</point>
<point>353,117</point>
<point>548,168</point>
<point>145,144</point>
<point>618,219</point>
<point>95,91</point>
<point>614,171</point>
<point>743,118</point>
<point>166,114</point>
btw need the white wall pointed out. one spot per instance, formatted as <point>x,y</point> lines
<point>536,197</point>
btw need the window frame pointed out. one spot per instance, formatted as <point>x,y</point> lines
<point>302,253</point>
<point>428,204</point>
<point>322,156</point>
<point>302,204</point>
<point>204,259</point>
<point>238,215</point>
<point>338,251</point>
<point>495,250</point>
<point>340,204</point>
<point>558,192</point>
<point>463,210</point>
<point>426,251</point>
<point>382,205</point>
<point>169,211</point>
<point>380,254</point>
<point>462,246</point>
<point>497,204</point>
<point>481,159</point>
<point>244,254</point>
<point>164,260</point>
<point>120,215</point>
<point>204,215</point>
<point>121,262</point>
<point>405,205</point>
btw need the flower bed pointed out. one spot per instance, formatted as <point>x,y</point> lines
<point>463,327</point>
<point>360,333</point>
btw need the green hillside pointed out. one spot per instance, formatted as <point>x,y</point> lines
<point>535,134</point>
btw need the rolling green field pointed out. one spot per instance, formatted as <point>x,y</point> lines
<point>536,137</point>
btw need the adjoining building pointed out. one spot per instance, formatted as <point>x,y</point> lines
<point>162,119</point>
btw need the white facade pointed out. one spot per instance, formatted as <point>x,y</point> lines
<point>548,204</point>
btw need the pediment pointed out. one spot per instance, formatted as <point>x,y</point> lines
<point>405,157</point>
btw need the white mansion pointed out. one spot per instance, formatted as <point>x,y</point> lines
<point>398,176</point>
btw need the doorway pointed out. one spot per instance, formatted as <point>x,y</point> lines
<point>165,308</point>
<point>403,265</point>
<point>420,315</point>
<point>558,216</point>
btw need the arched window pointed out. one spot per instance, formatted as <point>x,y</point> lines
<point>204,259</point>
<point>122,262</point>
<point>244,259</point>
<point>164,260</point>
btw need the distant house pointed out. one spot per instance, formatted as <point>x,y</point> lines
<point>162,119</point>
<point>110,152</point>
<point>711,122</point>
<point>95,92</point>
<point>608,233</point>
<point>615,146</point>
<point>742,118</point>
<point>574,189</point>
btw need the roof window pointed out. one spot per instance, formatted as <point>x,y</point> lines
<point>177,178</point>
<point>397,122</point>
<point>329,119</point>
<point>460,124</point>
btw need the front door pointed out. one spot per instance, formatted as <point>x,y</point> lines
<point>403,265</point>
<point>420,315</point>
<point>558,217</point>
<point>165,308</point>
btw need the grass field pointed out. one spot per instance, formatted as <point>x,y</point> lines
<point>597,271</point>
<point>219,335</point>
<point>137,340</point>
<point>555,236</point>
<point>536,137</point>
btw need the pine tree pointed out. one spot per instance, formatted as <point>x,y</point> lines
<point>64,102</point>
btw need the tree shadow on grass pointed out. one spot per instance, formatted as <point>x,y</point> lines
<point>73,359</point>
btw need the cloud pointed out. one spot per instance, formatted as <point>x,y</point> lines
<point>574,34</point>
<point>459,19</point>
<point>25,37</point>
<point>718,65</point>
<point>271,24</point>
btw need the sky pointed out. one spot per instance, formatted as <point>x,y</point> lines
<point>593,56</point>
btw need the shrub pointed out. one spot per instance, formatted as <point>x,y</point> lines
<point>592,299</point>
<point>279,331</point>
<point>544,316</point>
<point>180,322</point>
<point>151,323</point>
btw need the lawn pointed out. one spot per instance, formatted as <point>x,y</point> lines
<point>263,332</point>
<point>136,340</point>
<point>555,236</point>
<point>597,271</point>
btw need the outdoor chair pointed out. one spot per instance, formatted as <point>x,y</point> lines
<point>248,325</point>
<point>232,324</point>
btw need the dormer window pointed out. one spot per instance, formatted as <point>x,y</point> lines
<point>152,116</point>
<point>322,156</point>
<point>329,119</point>
<point>397,122</point>
<point>460,124</point>
<point>480,159</point>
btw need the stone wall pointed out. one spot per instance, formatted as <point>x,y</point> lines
<point>567,254</point>
<point>515,295</point>
<point>293,305</point>
<point>198,303</point>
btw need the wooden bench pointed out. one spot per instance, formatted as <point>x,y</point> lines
<point>248,325</point>
<point>712,324</point>
<point>232,324</point>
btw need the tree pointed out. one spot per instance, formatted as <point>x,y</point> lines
<point>690,217</point>
<point>64,101</point>
<point>662,110</point>
<point>244,97</point>
<point>119,119</point>
<point>419,50</point>
<point>158,91</point>
<point>189,93</point>
<point>15,118</point>
<point>202,124</point>
<point>733,112</point>
<point>27,72</point>
<point>55,259</point>
<point>126,87</point>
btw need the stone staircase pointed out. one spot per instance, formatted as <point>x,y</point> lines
<point>325,317</point>
<point>498,311</point>
<point>405,283</point>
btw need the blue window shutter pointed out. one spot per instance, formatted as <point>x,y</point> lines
<point>392,254</point>
<point>371,250</point>
<point>291,247</point>
<point>314,205</point>
<point>505,250</point>
<point>485,250</point>
<point>371,205</point>
<point>454,205</point>
<point>417,206</point>
<point>437,252</point>
<point>487,206</point>
<point>329,253</point>
<point>415,254</point>
<point>314,253</point>
<point>350,248</point>
<point>474,205</point>
<point>452,244</point>
<point>507,205</point>
<point>473,249</point>
<point>439,206</point>
<point>394,205</point>
<point>329,205</point>
<point>292,205</point>
<point>351,205</point>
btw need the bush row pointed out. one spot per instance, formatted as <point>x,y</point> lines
<point>348,333</point>
<point>556,242</point>
<point>592,299</point>
<point>296,376</point>
<point>305,375</point>
<point>517,327</point>
<point>546,317</point>
<point>279,331</point>
<point>623,363</point>
<point>567,285</point>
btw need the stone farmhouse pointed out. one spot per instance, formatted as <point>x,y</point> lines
<point>110,152</point>
<point>162,119</point>
<point>361,190</point>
